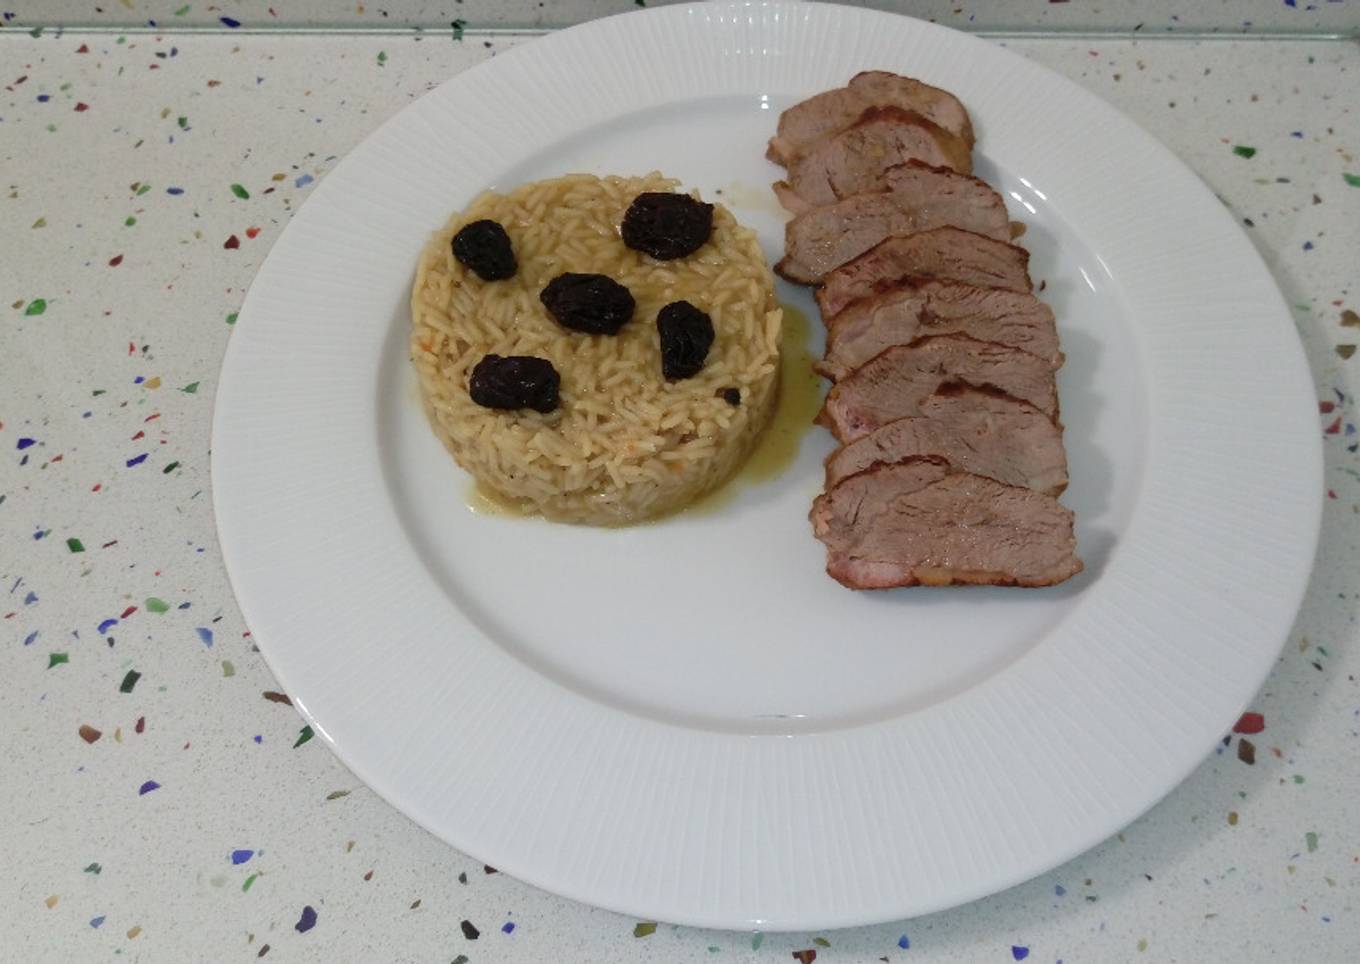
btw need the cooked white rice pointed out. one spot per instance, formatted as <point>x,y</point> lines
<point>624,444</point>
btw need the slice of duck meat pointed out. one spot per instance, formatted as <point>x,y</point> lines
<point>947,253</point>
<point>942,107</point>
<point>810,120</point>
<point>921,523</point>
<point>855,160</point>
<point>894,384</point>
<point>904,314</point>
<point>918,198</point>
<point>975,432</point>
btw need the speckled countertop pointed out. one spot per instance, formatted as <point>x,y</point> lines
<point>163,801</point>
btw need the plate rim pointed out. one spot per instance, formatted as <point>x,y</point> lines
<point>235,553</point>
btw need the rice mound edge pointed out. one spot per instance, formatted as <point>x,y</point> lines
<point>625,445</point>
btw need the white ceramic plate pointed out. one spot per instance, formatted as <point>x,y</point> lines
<point>690,721</point>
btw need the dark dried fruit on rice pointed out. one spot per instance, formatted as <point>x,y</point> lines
<point>593,303</point>
<point>732,396</point>
<point>686,337</point>
<point>515,381</point>
<point>484,248</point>
<point>667,226</point>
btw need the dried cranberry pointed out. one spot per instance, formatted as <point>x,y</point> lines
<point>593,303</point>
<point>667,226</point>
<point>732,396</point>
<point>686,337</point>
<point>515,381</point>
<point>484,248</point>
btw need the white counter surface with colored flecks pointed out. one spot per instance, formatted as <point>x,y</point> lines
<point>163,802</point>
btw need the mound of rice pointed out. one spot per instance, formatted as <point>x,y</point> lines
<point>624,444</point>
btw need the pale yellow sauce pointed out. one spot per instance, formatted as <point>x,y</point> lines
<point>485,501</point>
<point>752,197</point>
<point>800,396</point>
